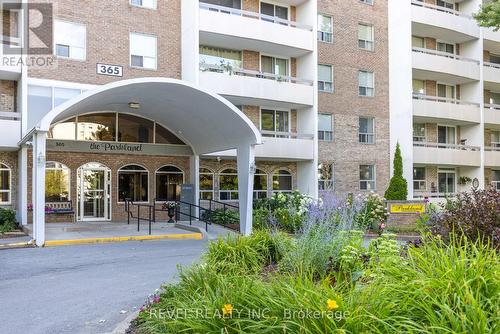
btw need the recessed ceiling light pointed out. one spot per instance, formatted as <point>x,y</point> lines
<point>134,105</point>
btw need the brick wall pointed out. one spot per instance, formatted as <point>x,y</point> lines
<point>431,132</point>
<point>251,60</point>
<point>114,162</point>
<point>430,88</point>
<point>108,25</point>
<point>8,93</point>
<point>10,159</point>
<point>487,137</point>
<point>487,96</point>
<point>430,43</point>
<point>347,59</point>
<point>251,5</point>
<point>486,56</point>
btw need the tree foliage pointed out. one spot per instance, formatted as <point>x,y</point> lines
<point>398,186</point>
<point>489,15</point>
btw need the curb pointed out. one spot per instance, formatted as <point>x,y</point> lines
<point>122,327</point>
<point>17,245</point>
<point>192,236</point>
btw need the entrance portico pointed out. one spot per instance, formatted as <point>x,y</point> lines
<point>206,122</point>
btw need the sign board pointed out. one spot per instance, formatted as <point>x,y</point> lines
<point>187,196</point>
<point>117,148</point>
<point>408,208</point>
<point>110,70</point>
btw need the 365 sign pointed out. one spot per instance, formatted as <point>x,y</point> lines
<point>111,70</point>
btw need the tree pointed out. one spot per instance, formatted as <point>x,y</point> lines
<point>489,15</point>
<point>398,186</point>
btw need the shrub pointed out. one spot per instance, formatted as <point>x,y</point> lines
<point>476,214</point>
<point>7,220</point>
<point>398,186</point>
<point>223,217</point>
<point>373,213</point>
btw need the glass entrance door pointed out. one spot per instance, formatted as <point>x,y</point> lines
<point>94,193</point>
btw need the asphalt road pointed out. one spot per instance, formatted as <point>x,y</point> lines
<point>84,289</point>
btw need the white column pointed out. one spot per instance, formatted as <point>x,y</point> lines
<point>22,186</point>
<point>246,170</point>
<point>194,169</point>
<point>38,195</point>
<point>190,41</point>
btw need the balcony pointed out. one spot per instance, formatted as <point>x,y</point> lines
<point>446,154</point>
<point>434,109</point>
<point>492,157</point>
<point>492,72</point>
<point>443,66</point>
<point>10,64</point>
<point>280,145</point>
<point>247,87</point>
<point>492,114</point>
<point>10,128</point>
<point>442,23</point>
<point>239,29</point>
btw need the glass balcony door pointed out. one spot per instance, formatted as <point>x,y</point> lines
<point>446,182</point>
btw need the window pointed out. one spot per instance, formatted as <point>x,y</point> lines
<point>495,138</point>
<point>271,12</point>
<point>496,179</point>
<point>366,83</point>
<point>418,87</point>
<point>236,4</point>
<point>70,40</point>
<point>417,42</point>
<point>446,91</point>
<point>259,184</point>
<point>275,123</point>
<point>367,130</point>
<point>325,28</point>
<point>368,2</point>
<point>445,4</point>
<point>133,129</point>
<point>419,183</point>
<point>144,3</point>
<point>97,127</point>
<point>143,51</point>
<point>206,184</point>
<point>57,182</point>
<point>365,36</point>
<point>447,135</point>
<point>419,132</point>
<point>446,181</point>
<point>325,176</point>
<point>494,58</point>
<point>325,78</point>
<point>282,181</point>
<point>446,47</point>
<point>228,185</point>
<point>494,98</point>
<point>325,127</point>
<point>367,177</point>
<point>220,57</point>
<point>168,183</point>
<point>273,65</point>
<point>5,184</point>
<point>133,183</point>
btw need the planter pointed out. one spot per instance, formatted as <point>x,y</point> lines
<point>171,214</point>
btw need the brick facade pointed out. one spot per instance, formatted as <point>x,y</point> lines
<point>344,103</point>
<point>108,25</point>
<point>8,94</point>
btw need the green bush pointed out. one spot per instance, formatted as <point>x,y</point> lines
<point>223,216</point>
<point>398,186</point>
<point>7,220</point>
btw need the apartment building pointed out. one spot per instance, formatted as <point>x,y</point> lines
<point>444,107</point>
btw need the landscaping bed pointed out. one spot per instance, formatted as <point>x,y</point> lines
<point>325,279</point>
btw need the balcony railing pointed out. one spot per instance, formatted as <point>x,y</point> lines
<point>281,134</point>
<point>492,106</point>
<point>444,54</point>
<point>494,65</point>
<point>447,146</point>
<point>259,16</point>
<point>417,96</point>
<point>204,67</point>
<point>418,194</point>
<point>9,40</point>
<point>495,148</point>
<point>439,8</point>
<point>9,115</point>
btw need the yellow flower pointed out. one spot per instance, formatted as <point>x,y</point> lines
<point>332,304</point>
<point>227,309</point>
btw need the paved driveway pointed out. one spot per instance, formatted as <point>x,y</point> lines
<point>83,289</point>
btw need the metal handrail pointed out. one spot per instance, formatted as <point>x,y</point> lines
<point>447,146</point>
<point>444,54</point>
<point>440,8</point>
<point>494,65</point>
<point>284,134</point>
<point>492,106</point>
<point>259,16</point>
<point>417,96</point>
<point>252,73</point>
<point>130,214</point>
